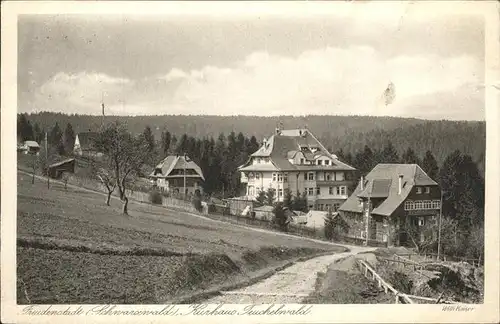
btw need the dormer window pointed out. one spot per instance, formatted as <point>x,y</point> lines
<point>327,162</point>
<point>301,161</point>
<point>427,190</point>
<point>419,190</point>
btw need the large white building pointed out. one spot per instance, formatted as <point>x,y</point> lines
<point>295,160</point>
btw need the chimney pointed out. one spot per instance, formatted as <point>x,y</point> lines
<point>362,183</point>
<point>400,184</point>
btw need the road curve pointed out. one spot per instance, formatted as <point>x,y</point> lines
<point>289,286</point>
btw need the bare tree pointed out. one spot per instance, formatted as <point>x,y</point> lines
<point>108,181</point>
<point>123,157</point>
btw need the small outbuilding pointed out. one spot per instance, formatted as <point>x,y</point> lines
<point>56,170</point>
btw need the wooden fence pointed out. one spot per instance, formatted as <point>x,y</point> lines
<point>368,272</point>
<point>399,298</point>
<point>134,195</point>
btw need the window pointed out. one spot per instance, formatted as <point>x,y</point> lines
<point>250,175</point>
<point>327,176</point>
<point>384,238</point>
<point>280,177</point>
<point>280,192</point>
<point>339,176</point>
<point>257,176</point>
<point>320,162</point>
<point>419,190</point>
<point>305,176</point>
<point>310,191</point>
<point>436,204</point>
<point>274,176</point>
<point>343,190</point>
<point>321,206</point>
<point>337,189</point>
<point>301,161</point>
<point>419,205</point>
<point>318,191</point>
<point>250,190</point>
<point>330,190</point>
<point>427,190</point>
<point>327,162</point>
<point>258,160</point>
<point>285,177</point>
<point>310,176</point>
<point>427,204</point>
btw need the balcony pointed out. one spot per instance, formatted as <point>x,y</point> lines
<point>333,182</point>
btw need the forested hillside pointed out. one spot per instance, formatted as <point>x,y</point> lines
<point>347,133</point>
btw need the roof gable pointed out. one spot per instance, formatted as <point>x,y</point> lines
<point>285,144</point>
<point>173,162</point>
<point>383,182</point>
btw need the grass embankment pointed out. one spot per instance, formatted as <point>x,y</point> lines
<point>343,283</point>
<point>72,248</point>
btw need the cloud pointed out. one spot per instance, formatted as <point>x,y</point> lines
<point>329,80</point>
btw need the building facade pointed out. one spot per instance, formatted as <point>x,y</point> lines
<point>177,174</point>
<point>295,160</point>
<point>395,205</point>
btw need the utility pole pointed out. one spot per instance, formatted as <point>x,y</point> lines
<point>184,174</point>
<point>367,230</point>
<point>47,160</point>
<point>439,227</point>
<point>34,168</point>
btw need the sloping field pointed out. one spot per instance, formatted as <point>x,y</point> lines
<point>72,248</point>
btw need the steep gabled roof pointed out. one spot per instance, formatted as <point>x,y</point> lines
<point>383,182</point>
<point>174,162</point>
<point>286,144</point>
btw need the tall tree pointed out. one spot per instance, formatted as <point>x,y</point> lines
<point>364,161</point>
<point>124,156</point>
<point>253,145</point>
<point>38,133</point>
<point>389,154</point>
<point>166,137</point>
<point>463,190</point>
<point>182,145</point>
<point>69,138</point>
<point>150,139</point>
<point>24,128</point>
<point>409,157</point>
<point>56,139</point>
<point>430,166</point>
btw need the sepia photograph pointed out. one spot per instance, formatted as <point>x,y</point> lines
<point>252,158</point>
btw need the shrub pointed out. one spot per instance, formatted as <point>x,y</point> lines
<point>212,208</point>
<point>155,197</point>
<point>280,218</point>
<point>197,201</point>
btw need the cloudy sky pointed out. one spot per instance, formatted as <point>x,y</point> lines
<point>254,64</point>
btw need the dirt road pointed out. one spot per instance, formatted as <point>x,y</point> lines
<point>290,285</point>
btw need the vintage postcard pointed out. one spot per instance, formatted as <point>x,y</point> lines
<point>258,162</point>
